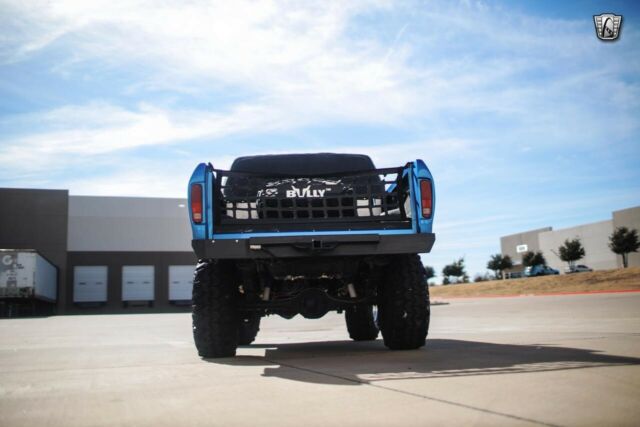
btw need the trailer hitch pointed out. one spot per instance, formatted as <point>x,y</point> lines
<point>315,245</point>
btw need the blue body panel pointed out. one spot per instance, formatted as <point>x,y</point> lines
<point>204,175</point>
<point>307,233</point>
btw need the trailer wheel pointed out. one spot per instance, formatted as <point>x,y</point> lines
<point>215,312</point>
<point>248,329</point>
<point>404,308</point>
<point>361,322</point>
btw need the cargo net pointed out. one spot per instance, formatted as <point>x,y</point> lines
<point>372,195</point>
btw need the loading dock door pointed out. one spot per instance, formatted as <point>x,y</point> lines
<point>90,284</point>
<point>180,282</point>
<point>137,283</point>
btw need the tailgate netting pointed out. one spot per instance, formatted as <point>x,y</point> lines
<point>366,200</point>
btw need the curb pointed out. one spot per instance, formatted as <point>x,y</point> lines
<point>551,294</point>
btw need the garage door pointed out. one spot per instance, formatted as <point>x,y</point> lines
<point>137,283</point>
<point>90,284</point>
<point>180,282</point>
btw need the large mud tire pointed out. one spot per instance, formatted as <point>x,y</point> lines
<point>215,312</point>
<point>404,308</point>
<point>361,322</point>
<point>248,329</point>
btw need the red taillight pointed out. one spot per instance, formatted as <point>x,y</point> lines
<point>196,203</point>
<point>426,198</point>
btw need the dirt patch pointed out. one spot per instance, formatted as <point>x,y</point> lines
<point>605,280</point>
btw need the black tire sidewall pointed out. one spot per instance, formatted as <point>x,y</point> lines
<point>215,312</point>
<point>361,322</point>
<point>404,307</point>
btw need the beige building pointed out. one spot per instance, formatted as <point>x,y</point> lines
<point>515,245</point>
<point>629,218</point>
<point>594,237</point>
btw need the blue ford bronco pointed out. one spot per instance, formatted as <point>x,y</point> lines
<point>308,234</point>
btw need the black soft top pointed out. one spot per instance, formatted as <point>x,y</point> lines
<point>303,164</point>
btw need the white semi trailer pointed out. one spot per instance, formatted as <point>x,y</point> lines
<point>26,281</point>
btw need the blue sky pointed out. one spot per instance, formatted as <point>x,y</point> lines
<point>525,118</point>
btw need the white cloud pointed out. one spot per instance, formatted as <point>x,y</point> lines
<point>463,86</point>
<point>281,51</point>
<point>75,133</point>
<point>299,64</point>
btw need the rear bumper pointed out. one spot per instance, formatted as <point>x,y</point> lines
<point>321,245</point>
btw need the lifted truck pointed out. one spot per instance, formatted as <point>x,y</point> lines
<point>307,234</point>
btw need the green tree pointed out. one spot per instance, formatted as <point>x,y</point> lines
<point>455,269</point>
<point>624,241</point>
<point>498,263</point>
<point>529,259</point>
<point>429,273</point>
<point>571,251</point>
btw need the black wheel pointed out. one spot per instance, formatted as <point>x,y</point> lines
<point>248,329</point>
<point>361,322</point>
<point>215,314</point>
<point>404,308</point>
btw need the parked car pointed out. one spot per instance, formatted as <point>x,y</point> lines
<point>539,270</point>
<point>577,269</point>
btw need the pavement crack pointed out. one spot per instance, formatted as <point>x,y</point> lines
<point>418,395</point>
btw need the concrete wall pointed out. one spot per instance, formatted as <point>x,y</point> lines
<point>128,224</point>
<point>629,218</point>
<point>594,238</point>
<point>119,231</point>
<point>508,244</point>
<point>37,219</point>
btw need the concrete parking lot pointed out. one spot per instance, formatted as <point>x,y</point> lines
<point>562,360</point>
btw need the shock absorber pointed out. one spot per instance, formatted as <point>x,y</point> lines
<point>352,291</point>
<point>266,282</point>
